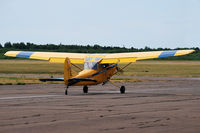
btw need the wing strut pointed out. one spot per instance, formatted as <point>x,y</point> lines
<point>120,69</point>
<point>77,67</point>
<point>113,83</point>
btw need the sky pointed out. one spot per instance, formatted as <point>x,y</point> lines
<point>129,23</point>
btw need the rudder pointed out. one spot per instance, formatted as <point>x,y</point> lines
<point>67,70</point>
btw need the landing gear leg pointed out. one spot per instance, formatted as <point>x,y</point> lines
<point>122,89</point>
<point>85,89</point>
<point>66,90</point>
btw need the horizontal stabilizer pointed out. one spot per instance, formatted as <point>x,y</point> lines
<point>52,79</point>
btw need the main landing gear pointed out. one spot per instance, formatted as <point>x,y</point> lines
<point>122,89</point>
<point>85,89</point>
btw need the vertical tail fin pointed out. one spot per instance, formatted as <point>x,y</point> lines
<point>67,70</point>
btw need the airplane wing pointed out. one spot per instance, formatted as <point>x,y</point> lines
<point>134,56</point>
<point>79,58</point>
<point>50,56</point>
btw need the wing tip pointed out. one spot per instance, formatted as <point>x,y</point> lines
<point>12,53</point>
<point>192,51</point>
<point>184,52</point>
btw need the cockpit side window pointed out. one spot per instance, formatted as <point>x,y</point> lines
<point>91,65</point>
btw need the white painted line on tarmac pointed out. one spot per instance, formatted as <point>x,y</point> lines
<point>26,97</point>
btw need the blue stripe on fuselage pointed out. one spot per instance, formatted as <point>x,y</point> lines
<point>167,54</point>
<point>24,54</point>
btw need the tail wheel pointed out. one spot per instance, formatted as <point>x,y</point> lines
<point>85,89</point>
<point>122,89</point>
<point>66,92</point>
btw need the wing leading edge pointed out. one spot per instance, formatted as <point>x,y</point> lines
<point>134,56</point>
<point>50,56</point>
<point>106,58</point>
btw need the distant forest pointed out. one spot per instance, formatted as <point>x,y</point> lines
<point>89,49</point>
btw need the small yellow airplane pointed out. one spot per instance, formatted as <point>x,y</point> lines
<point>98,68</point>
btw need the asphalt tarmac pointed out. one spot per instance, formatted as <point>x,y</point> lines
<point>156,105</point>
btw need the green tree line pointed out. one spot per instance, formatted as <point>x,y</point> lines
<point>89,49</point>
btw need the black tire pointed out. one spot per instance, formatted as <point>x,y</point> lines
<point>85,89</point>
<point>122,89</point>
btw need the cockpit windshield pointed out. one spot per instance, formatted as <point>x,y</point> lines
<point>91,65</point>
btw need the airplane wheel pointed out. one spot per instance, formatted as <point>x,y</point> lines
<point>122,89</point>
<point>85,89</point>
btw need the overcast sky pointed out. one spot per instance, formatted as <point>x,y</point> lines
<point>132,23</point>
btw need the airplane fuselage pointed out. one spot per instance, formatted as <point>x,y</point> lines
<point>93,75</point>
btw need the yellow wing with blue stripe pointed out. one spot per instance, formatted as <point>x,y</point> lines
<point>134,56</point>
<point>50,56</point>
<point>102,58</point>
